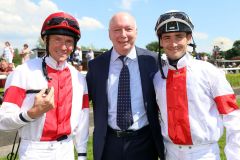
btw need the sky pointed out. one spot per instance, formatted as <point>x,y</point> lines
<point>215,22</point>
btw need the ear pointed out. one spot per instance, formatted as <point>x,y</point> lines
<point>109,34</point>
<point>44,39</point>
<point>189,38</point>
<point>160,42</point>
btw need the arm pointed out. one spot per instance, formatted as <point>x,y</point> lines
<point>227,106</point>
<point>232,125</point>
<point>89,80</point>
<point>12,114</point>
<point>81,137</point>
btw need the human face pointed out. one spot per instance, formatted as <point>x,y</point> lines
<point>60,47</point>
<point>3,65</point>
<point>122,32</point>
<point>175,44</point>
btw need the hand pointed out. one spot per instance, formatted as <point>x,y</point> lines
<point>42,103</point>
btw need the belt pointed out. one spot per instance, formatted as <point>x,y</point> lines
<point>61,138</point>
<point>128,133</point>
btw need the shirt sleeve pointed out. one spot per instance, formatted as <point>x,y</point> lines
<point>225,100</point>
<point>82,132</point>
<point>11,116</point>
<point>232,125</point>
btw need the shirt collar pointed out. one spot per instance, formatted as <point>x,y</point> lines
<point>53,64</point>
<point>182,61</point>
<point>131,55</point>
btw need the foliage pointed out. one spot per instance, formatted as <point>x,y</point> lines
<point>153,46</point>
<point>236,44</point>
<point>233,53</point>
<point>17,58</point>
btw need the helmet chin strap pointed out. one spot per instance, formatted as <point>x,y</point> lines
<point>193,45</point>
<point>44,66</point>
<point>160,60</point>
<point>74,49</point>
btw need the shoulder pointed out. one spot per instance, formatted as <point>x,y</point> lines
<point>33,62</point>
<point>101,58</point>
<point>27,68</point>
<point>206,68</point>
<point>146,53</point>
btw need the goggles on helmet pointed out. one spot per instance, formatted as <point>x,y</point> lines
<point>171,17</point>
<point>58,20</point>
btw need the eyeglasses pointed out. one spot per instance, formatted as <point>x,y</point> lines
<point>58,20</point>
<point>176,15</point>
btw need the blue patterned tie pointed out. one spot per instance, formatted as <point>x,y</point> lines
<point>124,111</point>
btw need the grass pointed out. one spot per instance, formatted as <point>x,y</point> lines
<point>233,79</point>
<point>222,143</point>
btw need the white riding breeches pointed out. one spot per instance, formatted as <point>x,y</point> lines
<point>192,152</point>
<point>50,150</point>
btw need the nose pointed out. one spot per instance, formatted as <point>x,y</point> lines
<point>123,33</point>
<point>64,46</point>
<point>173,42</point>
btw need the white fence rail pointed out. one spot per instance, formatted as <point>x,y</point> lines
<point>231,70</point>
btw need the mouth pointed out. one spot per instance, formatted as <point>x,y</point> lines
<point>61,53</point>
<point>124,43</point>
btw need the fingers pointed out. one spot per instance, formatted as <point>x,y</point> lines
<point>50,96</point>
<point>51,91</point>
<point>41,93</point>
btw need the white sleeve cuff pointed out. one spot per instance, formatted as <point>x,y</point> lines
<point>26,117</point>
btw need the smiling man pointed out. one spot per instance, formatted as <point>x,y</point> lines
<point>194,97</point>
<point>126,125</point>
<point>41,102</point>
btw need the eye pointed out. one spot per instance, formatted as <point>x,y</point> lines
<point>117,30</point>
<point>166,38</point>
<point>69,43</point>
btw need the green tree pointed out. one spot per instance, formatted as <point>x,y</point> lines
<point>153,46</point>
<point>236,44</point>
<point>17,58</point>
<point>233,53</point>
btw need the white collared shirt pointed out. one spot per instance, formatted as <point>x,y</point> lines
<point>138,110</point>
